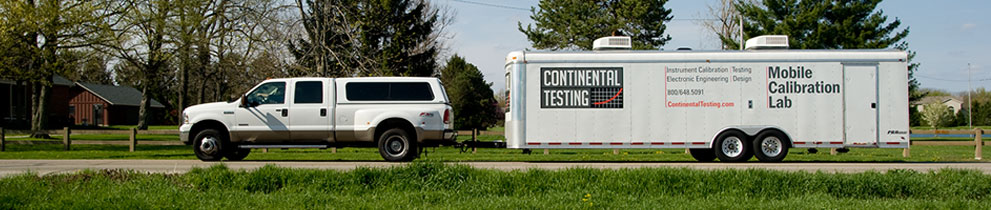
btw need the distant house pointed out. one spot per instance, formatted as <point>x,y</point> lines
<point>953,103</point>
<point>15,103</point>
<point>95,104</point>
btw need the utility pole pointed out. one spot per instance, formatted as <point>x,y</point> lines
<point>741,32</point>
<point>970,99</point>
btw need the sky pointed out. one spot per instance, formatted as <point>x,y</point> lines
<point>946,35</point>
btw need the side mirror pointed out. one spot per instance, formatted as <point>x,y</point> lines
<point>244,103</point>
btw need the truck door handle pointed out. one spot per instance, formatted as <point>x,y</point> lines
<point>323,112</point>
<point>285,112</point>
<point>873,105</point>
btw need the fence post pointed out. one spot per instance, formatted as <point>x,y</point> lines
<point>66,141</point>
<point>333,150</point>
<point>134,139</point>
<point>832,151</point>
<point>547,151</point>
<point>3,140</point>
<point>615,151</point>
<point>905,152</point>
<point>474,138</point>
<point>978,143</point>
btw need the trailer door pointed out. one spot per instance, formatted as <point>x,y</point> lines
<point>860,104</point>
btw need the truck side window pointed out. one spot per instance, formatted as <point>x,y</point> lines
<point>309,92</point>
<point>411,91</point>
<point>268,93</point>
<point>389,91</point>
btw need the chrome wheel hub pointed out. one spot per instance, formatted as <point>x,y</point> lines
<point>771,146</point>
<point>395,145</point>
<point>209,144</point>
<point>732,146</point>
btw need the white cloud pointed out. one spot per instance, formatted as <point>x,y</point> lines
<point>968,26</point>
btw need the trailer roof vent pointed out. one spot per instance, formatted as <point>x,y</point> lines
<point>768,42</point>
<point>612,43</point>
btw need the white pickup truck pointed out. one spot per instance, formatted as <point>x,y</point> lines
<point>399,115</point>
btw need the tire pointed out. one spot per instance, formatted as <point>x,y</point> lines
<point>703,155</point>
<point>771,146</point>
<point>395,145</point>
<point>209,145</point>
<point>732,146</point>
<point>237,154</point>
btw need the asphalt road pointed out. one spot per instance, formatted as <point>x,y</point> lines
<point>43,167</point>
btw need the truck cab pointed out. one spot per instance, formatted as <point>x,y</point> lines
<point>399,115</point>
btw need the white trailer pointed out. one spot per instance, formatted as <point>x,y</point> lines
<point>730,105</point>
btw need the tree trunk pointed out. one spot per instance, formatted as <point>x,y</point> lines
<point>39,119</point>
<point>183,80</point>
<point>143,109</point>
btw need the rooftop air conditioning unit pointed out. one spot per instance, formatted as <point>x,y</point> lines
<point>612,43</point>
<point>768,42</point>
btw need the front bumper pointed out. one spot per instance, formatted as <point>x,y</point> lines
<point>184,137</point>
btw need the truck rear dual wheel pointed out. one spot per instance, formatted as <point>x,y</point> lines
<point>237,154</point>
<point>732,146</point>
<point>771,146</point>
<point>395,145</point>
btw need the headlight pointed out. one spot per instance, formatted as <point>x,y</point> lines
<point>185,118</point>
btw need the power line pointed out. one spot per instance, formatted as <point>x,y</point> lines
<point>952,80</point>
<point>492,5</point>
<point>527,9</point>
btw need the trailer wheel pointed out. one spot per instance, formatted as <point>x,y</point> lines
<point>703,155</point>
<point>209,145</point>
<point>732,146</point>
<point>771,146</point>
<point>236,154</point>
<point>395,145</point>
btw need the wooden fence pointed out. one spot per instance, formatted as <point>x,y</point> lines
<point>67,140</point>
<point>977,132</point>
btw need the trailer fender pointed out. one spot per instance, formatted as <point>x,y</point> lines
<point>751,131</point>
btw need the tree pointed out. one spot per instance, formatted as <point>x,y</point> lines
<point>567,24</point>
<point>148,53</point>
<point>726,22</point>
<point>835,24</point>
<point>367,38</point>
<point>937,114</point>
<point>39,32</point>
<point>471,97</point>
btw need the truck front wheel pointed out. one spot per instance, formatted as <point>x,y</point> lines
<point>209,145</point>
<point>395,145</point>
<point>732,146</point>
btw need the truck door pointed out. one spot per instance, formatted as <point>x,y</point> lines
<point>310,113</point>
<point>860,104</point>
<point>265,118</point>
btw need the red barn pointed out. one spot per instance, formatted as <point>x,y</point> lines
<point>95,104</point>
<point>15,103</point>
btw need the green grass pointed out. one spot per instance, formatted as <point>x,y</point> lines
<point>430,185</point>
<point>449,154</point>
